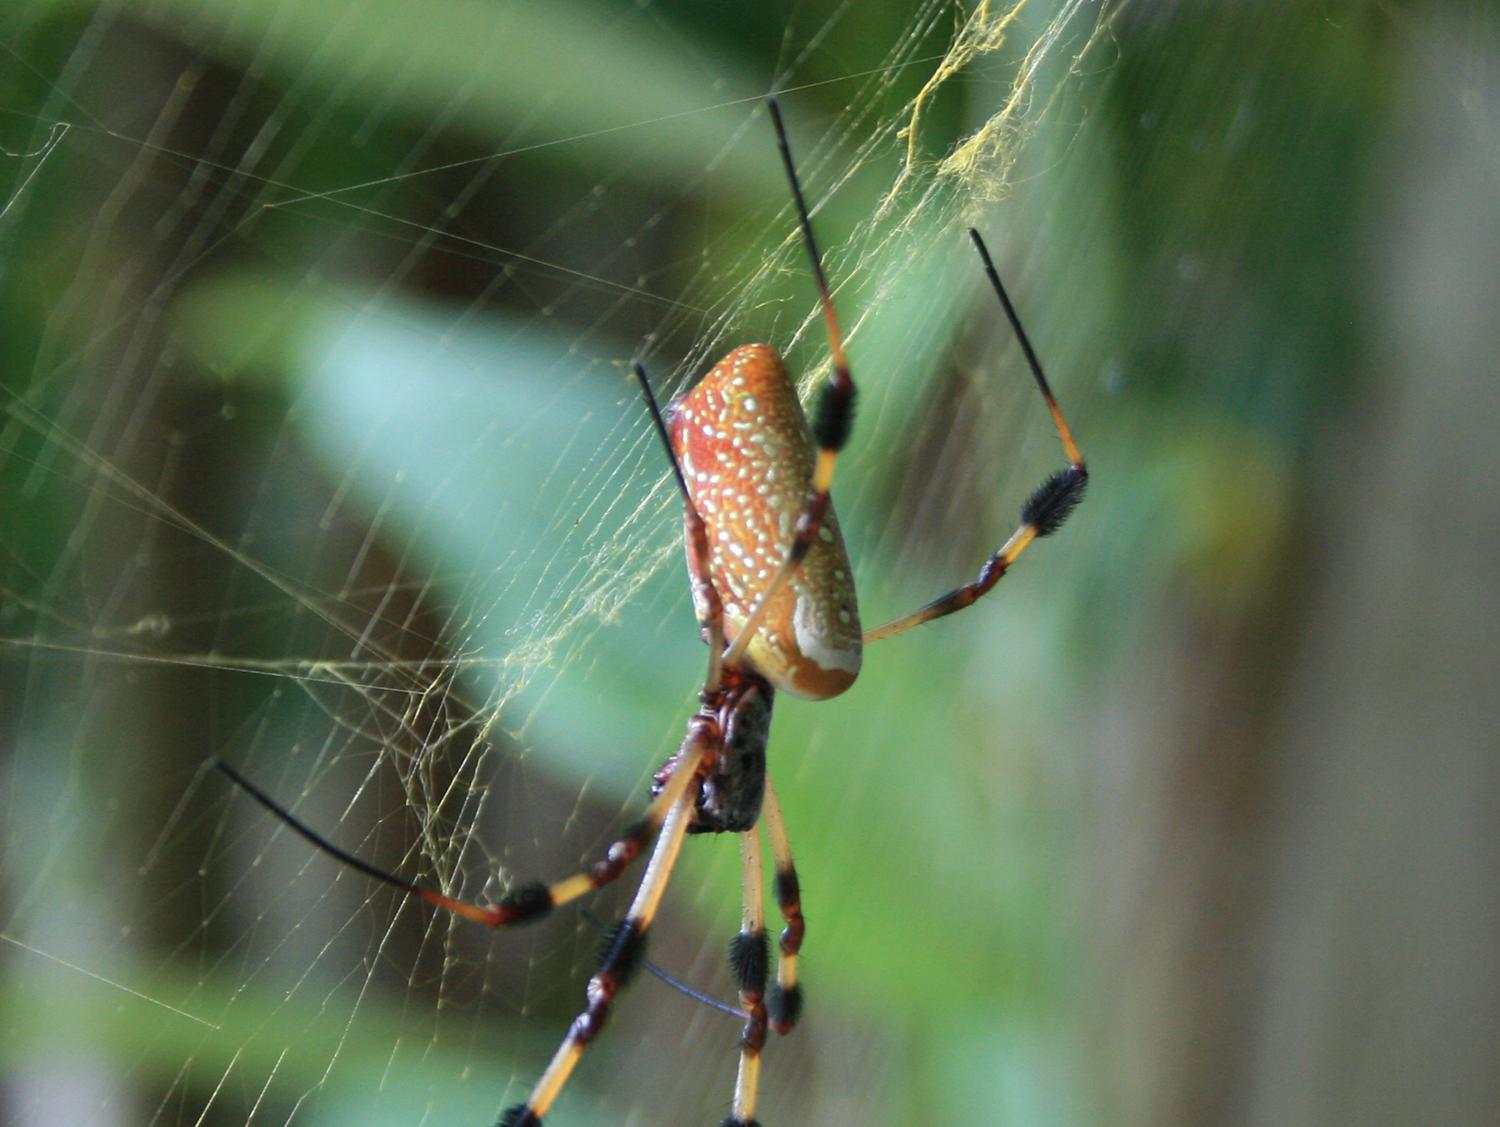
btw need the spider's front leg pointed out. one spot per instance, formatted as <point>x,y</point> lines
<point>832,422</point>
<point>1044,511</point>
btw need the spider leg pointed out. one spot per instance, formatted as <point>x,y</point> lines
<point>706,602</point>
<point>1044,511</point>
<point>1041,515</point>
<point>747,959</point>
<point>832,421</point>
<point>534,898</point>
<point>785,1003</point>
<point>623,951</point>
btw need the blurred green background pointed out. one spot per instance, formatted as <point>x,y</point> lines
<point>317,453</point>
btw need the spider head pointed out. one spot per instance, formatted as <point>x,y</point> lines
<point>735,785</point>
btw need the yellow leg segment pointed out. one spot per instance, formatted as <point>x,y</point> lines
<point>785,1004</point>
<point>625,946</point>
<point>747,958</point>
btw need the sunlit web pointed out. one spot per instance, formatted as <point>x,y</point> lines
<point>318,455</point>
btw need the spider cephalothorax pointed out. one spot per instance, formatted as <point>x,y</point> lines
<point>733,779</point>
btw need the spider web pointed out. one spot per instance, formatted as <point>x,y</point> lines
<point>318,454</point>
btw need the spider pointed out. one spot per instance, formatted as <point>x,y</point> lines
<point>773,593</point>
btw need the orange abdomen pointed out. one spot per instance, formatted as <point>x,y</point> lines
<point>747,455</point>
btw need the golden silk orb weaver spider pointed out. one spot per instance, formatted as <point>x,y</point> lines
<point>774,596</point>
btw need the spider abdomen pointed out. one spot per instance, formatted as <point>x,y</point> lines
<point>747,456</point>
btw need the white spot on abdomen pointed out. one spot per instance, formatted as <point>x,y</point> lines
<point>816,644</point>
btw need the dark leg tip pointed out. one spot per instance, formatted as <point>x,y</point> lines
<point>622,950</point>
<point>784,1008</point>
<point>748,959</point>
<point>1047,508</point>
<point>528,902</point>
<point>833,418</point>
<point>519,1116</point>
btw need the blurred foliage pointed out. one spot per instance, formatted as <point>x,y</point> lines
<point>318,454</point>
